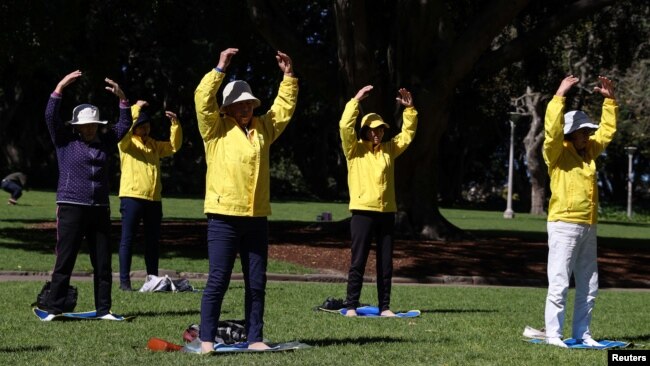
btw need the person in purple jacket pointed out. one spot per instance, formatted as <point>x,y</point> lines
<point>82,194</point>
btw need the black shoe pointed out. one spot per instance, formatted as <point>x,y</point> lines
<point>126,286</point>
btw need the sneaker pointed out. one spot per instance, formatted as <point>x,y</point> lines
<point>530,332</point>
<point>48,318</point>
<point>108,317</point>
<point>556,342</point>
<point>591,342</point>
<point>12,202</point>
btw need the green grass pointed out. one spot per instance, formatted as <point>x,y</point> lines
<point>458,326</point>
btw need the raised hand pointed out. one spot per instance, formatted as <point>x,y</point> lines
<point>142,103</point>
<point>115,89</point>
<point>566,84</point>
<point>363,92</point>
<point>225,57</point>
<point>405,98</point>
<point>171,115</point>
<point>606,88</point>
<point>284,62</point>
<point>67,80</point>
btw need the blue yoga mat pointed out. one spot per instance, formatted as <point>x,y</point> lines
<point>373,312</point>
<point>195,347</point>
<point>86,315</point>
<point>574,344</point>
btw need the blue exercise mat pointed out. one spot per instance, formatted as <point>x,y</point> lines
<point>86,315</point>
<point>574,344</point>
<point>195,347</point>
<point>373,312</point>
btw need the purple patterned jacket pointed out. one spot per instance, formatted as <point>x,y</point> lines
<point>83,167</point>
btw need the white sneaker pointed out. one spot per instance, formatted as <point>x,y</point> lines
<point>591,342</point>
<point>530,332</point>
<point>108,317</point>
<point>556,342</point>
<point>48,318</point>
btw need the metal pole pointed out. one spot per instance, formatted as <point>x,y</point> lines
<point>509,213</point>
<point>630,177</point>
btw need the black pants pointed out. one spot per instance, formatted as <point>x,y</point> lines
<point>74,222</point>
<point>364,226</point>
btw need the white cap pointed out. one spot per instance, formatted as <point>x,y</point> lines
<point>84,114</point>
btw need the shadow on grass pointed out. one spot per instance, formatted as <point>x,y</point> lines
<point>21,349</point>
<point>642,337</point>
<point>153,314</point>
<point>456,311</point>
<point>329,342</point>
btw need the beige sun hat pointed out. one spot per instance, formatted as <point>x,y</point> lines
<point>237,91</point>
<point>84,114</point>
<point>575,120</point>
<point>373,120</point>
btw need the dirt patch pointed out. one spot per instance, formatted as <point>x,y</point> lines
<point>506,260</point>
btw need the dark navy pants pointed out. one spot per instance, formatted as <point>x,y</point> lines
<point>15,189</point>
<point>364,226</point>
<point>133,211</point>
<point>74,222</point>
<point>227,236</point>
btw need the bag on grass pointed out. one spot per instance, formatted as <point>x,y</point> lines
<point>165,284</point>
<point>228,332</point>
<point>68,305</point>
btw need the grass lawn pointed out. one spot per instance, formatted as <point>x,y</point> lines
<point>458,326</point>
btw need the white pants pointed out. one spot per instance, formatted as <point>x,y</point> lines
<point>571,250</point>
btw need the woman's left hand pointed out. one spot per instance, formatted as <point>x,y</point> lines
<point>284,62</point>
<point>115,89</point>
<point>405,98</point>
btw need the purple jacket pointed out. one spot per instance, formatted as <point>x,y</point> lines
<point>83,166</point>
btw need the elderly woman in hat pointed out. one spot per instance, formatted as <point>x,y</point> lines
<point>237,199</point>
<point>570,150</point>
<point>82,193</point>
<point>140,187</point>
<point>371,183</point>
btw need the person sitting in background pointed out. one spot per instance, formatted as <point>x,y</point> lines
<point>14,183</point>
<point>141,187</point>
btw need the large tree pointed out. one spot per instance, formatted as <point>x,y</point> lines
<point>430,47</point>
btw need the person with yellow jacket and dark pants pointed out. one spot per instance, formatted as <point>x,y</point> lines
<point>141,187</point>
<point>371,183</point>
<point>572,142</point>
<point>237,189</point>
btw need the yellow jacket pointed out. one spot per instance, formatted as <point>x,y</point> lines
<point>371,180</point>
<point>574,192</point>
<point>140,162</point>
<point>237,181</point>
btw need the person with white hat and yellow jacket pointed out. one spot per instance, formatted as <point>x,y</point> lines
<point>141,187</point>
<point>570,150</point>
<point>371,183</point>
<point>237,189</point>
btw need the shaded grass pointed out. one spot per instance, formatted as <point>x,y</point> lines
<point>458,326</point>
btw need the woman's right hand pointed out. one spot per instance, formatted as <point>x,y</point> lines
<point>225,57</point>
<point>566,84</point>
<point>67,80</point>
<point>363,92</point>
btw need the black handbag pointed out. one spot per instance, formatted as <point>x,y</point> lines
<point>70,298</point>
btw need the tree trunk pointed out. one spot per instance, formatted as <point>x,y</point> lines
<point>533,143</point>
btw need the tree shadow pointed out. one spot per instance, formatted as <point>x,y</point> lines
<point>456,311</point>
<point>329,342</point>
<point>20,349</point>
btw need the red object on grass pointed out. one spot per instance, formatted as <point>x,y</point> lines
<point>157,344</point>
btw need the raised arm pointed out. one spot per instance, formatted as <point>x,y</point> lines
<point>409,122</point>
<point>608,119</point>
<point>277,119</point>
<point>205,96</point>
<point>554,122</point>
<point>55,125</point>
<point>170,147</point>
<point>123,125</point>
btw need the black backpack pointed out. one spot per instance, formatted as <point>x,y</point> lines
<point>70,298</point>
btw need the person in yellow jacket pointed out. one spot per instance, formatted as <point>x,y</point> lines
<point>237,185</point>
<point>570,150</point>
<point>140,188</point>
<point>371,182</point>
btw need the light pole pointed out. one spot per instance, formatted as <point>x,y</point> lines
<point>630,178</point>
<point>514,117</point>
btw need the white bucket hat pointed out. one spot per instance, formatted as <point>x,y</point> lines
<point>237,91</point>
<point>575,120</point>
<point>84,114</point>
